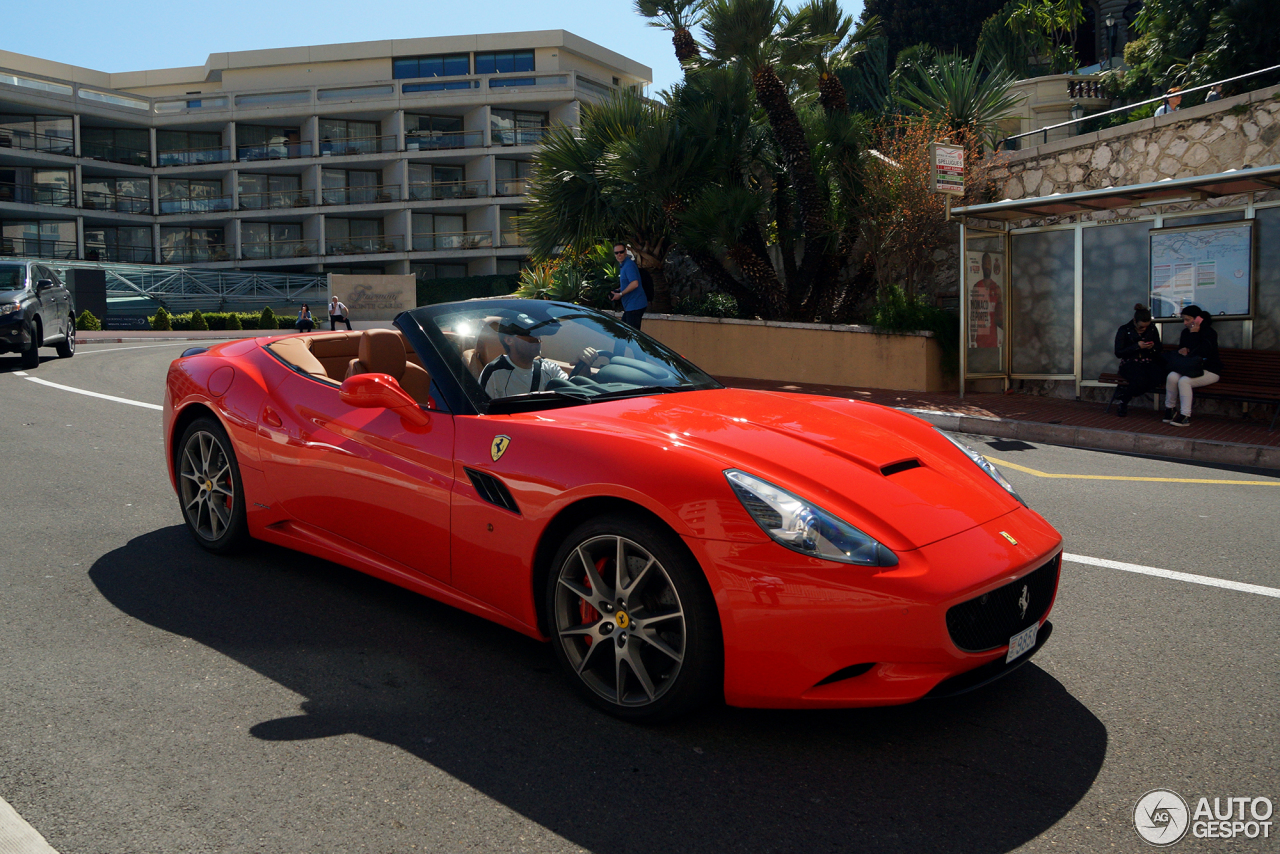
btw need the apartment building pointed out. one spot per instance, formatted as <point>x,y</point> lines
<point>398,156</point>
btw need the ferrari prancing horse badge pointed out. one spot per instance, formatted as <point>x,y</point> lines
<point>499,447</point>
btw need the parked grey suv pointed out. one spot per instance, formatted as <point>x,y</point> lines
<point>36,311</point>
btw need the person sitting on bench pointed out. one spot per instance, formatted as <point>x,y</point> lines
<point>1141,360</point>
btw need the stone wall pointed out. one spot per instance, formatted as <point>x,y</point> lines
<point>1232,133</point>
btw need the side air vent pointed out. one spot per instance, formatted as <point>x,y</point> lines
<point>894,468</point>
<point>492,490</point>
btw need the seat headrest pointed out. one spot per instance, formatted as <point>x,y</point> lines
<point>488,347</point>
<point>382,352</point>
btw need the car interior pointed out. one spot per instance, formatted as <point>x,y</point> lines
<point>332,357</point>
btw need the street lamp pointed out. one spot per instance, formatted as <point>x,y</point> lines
<point>1111,38</point>
<point>1077,113</point>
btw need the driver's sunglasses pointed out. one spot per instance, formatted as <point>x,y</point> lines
<point>616,252</point>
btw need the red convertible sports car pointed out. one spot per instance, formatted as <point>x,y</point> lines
<point>550,469</point>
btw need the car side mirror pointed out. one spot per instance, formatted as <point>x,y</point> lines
<point>44,284</point>
<point>381,391</point>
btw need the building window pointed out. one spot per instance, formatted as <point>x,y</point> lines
<point>125,245</point>
<point>180,245</point>
<point>357,237</point>
<point>179,147</point>
<point>41,133</point>
<point>260,241</point>
<point>511,177</point>
<point>444,65</point>
<point>515,127</point>
<point>426,271</point>
<point>122,195</point>
<point>190,195</point>
<point>257,142</point>
<point>342,136</point>
<point>354,187</point>
<point>504,62</point>
<point>117,145</point>
<point>38,238</point>
<point>262,192</point>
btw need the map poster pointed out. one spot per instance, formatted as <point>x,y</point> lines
<point>984,289</point>
<point>1206,265</point>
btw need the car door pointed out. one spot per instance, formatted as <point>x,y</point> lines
<point>363,474</point>
<point>54,311</point>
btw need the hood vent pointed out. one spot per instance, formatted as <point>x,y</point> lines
<point>492,490</point>
<point>894,468</point>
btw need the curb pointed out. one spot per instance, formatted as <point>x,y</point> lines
<point>1092,438</point>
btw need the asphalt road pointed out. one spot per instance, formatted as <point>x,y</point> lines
<point>158,699</point>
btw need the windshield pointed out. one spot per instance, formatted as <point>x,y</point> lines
<point>13,277</point>
<point>518,355</point>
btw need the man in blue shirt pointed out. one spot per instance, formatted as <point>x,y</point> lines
<point>629,291</point>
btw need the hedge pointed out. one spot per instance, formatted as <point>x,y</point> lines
<point>219,321</point>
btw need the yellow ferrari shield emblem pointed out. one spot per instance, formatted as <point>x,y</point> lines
<point>1004,534</point>
<point>623,620</point>
<point>499,447</point>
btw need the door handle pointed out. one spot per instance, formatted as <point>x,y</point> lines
<point>270,417</point>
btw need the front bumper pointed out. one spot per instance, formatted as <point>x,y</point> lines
<point>804,633</point>
<point>15,336</point>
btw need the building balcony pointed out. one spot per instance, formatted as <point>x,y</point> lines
<point>207,204</point>
<point>380,245</point>
<point>120,254</point>
<point>444,190</point>
<point>275,151</point>
<point>36,247</point>
<point>195,254</point>
<point>37,194</point>
<point>358,145</point>
<point>193,156</point>
<point>52,143</point>
<point>511,187</point>
<point>360,195</point>
<point>430,242</point>
<point>511,238</point>
<point>276,249</point>
<point>115,154</point>
<point>91,200</point>
<point>518,136</point>
<point>275,200</point>
<point>444,140</point>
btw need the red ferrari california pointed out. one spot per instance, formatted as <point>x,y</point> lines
<point>548,468</point>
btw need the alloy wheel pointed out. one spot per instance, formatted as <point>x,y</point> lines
<point>207,485</point>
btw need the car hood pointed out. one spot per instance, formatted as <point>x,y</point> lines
<point>12,296</point>
<point>887,472</point>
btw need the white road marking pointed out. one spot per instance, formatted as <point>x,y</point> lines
<point>94,394</point>
<point>1175,576</point>
<point>139,347</point>
<point>18,837</point>
<point>19,373</point>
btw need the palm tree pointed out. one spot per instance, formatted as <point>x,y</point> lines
<point>956,86</point>
<point>827,31</point>
<point>676,17</point>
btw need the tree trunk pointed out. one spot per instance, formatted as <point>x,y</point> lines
<point>763,278</point>
<point>686,47</point>
<point>831,94</point>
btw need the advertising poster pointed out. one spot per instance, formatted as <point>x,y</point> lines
<point>1208,266</point>
<point>984,285</point>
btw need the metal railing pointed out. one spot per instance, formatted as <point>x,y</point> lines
<point>207,204</point>
<point>92,200</point>
<point>120,254</point>
<point>275,199</point>
<point>274,151</point>
<point>9,138</point>
<point>441,190</point>
<point>192,156</point>
<point>115,153</point>
<point>364,245</point>
<point>194,254</point>
<point>37,247</point>
<point>1011,143</point>
<point>273,249</point>
<point>443,140</point>
<point>430,242</point>
<point>518,136</point>
<point>37,194</point>
<point>357,145</point>
<point>511,187</point>
<point>502,82</point>
<point>360,195</point>
<point>511,238</point>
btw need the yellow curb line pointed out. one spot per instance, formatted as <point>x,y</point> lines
<point>1017,467</point>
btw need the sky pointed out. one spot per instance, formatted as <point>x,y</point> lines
<point>109,35</point>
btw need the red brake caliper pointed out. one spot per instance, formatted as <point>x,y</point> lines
<point>589,613</point>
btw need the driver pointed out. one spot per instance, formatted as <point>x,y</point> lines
<point>521,370</point>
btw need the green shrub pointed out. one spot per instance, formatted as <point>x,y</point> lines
<point>267,319</point>
<point>709,305</point>
<point>232,322</point>
<point>198,323</point>
<point>894,311</point>
<point>162,322</point>
<point>432,291</point>
<point>86,322</point>
<point>249,320</point>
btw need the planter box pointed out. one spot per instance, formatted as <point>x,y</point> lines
<point>821,354</point>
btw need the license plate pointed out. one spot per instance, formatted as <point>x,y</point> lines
<point>1021,642</point>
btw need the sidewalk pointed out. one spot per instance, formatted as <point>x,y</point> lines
<point>1074,423</point>
<point>120,336</point>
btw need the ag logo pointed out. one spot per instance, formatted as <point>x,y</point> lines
<point>499,447</point>
<point>1161,817</point>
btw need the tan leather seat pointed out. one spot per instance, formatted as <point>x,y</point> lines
<point>382,352</point>
<point>487,348</point>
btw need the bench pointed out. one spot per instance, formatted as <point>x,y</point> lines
<point>1248,376</point>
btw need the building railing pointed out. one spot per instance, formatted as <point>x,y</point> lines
<point>115,153</point>
<point>92,200</point>
<point>207,204</point>
<point>272,249</point>
<point>429,242</point>
<point>194,254</point>
<point>192,156</point>
<point>37,194</point>
<point>511,187</point>
<point>441,190</point>
<point>37,247</point>
<point>502,82</point>
<point>364,245</point>
<point>358,145</point>
<point>518,136</point>
<point>10,138</point>
<point>275,199</point>
<point>274,151</point>
<point>120,254</point>
<point>360,195</point>
<point>443,140</point>
<point>511,238</point>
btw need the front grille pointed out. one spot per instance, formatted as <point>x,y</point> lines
<point>492,490</point>
<point>988,621</point>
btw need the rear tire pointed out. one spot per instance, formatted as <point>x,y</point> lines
<point>31,355</point>
<point>67,348</point>
<point>210,492</point>
<point>642,643</point>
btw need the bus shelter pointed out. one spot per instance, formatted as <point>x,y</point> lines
<point>1045,282</point>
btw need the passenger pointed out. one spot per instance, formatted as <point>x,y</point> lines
<point>1198,339</point>
<point>1141,360</point>
<point>521,370</point>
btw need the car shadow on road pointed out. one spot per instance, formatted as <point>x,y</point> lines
<point>983,772</point>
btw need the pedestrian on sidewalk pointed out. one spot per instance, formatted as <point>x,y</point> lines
<point>1141,359</point>
<point>629,292</point>
<point>1195,365</point>
<point>337,314</point>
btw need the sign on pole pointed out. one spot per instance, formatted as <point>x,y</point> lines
<point>946,168</point>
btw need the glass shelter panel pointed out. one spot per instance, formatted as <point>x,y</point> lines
<point>1266,295</point>
<point>1114,281</point>
<point>985,286</point>
<point>1042,302</point>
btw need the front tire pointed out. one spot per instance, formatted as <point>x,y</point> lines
<point>632,620</point>
<point>210,491</point>
<point>31,355</point>
<point>67,348</point>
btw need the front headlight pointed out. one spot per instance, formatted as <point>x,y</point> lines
<point>804,527</point>
<point>10,308</point>
<point>986,465</point>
